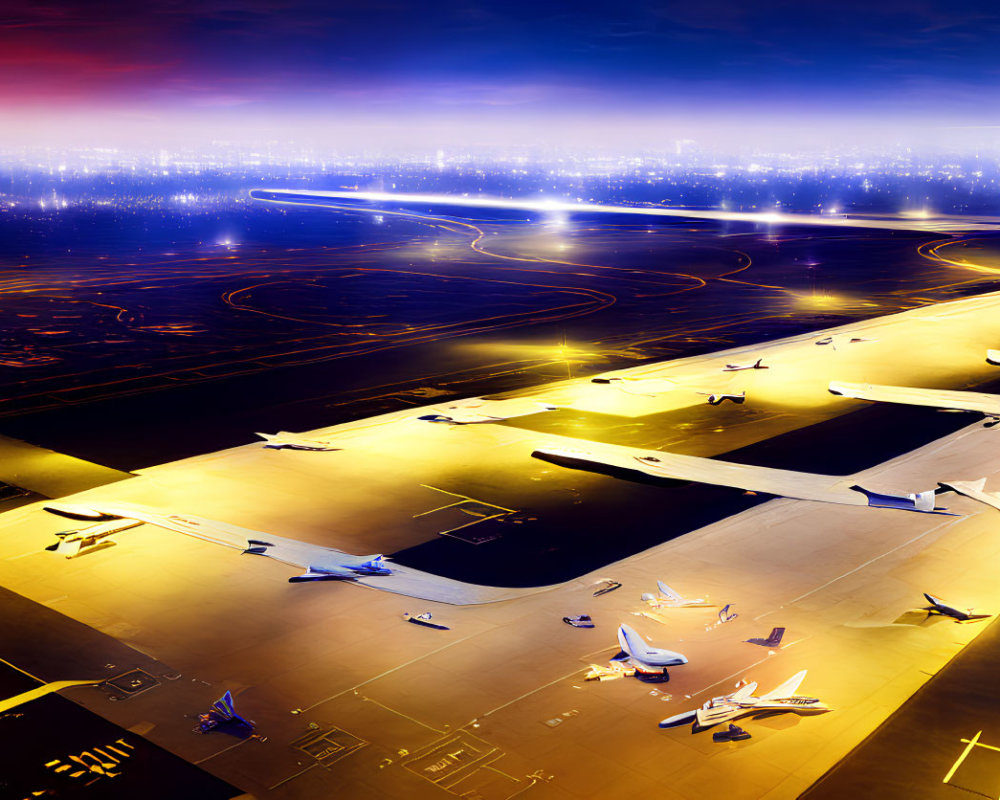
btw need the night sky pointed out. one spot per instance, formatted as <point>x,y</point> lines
<point>701,62</point>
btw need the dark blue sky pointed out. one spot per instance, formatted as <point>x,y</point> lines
<point>881,60</point>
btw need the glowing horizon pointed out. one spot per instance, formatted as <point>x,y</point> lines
<point>905,221</point>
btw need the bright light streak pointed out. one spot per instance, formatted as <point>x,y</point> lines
<point>550,206</point>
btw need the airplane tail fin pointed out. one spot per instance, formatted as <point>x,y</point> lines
<point>631,642</point>
<point>667,592</point>
<point>774,639</point>
<point>787,689</point>
<point>224,706</point>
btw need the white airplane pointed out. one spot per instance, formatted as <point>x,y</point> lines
<point>945,399</point>
<point>758,364</point>
<point>993,357</point>
<point>742,703</point>
<point>940,607</point>
<point>373,565</point>
<point>320,563</point>
<point>90,539</point>
<point>714,398</point>
<point>284,440</point>
<point>670,599</point>
<point>643,658</point>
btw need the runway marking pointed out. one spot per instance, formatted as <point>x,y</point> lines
<point>526,694</point>
<point>970,744</point>
<point>401,714</point>
<point>223,750</point>
<point>290,777</point>
<point>388,672</point>
<point>458,504</point>
<point>947,524</point>
<point>41,691</point>
<point>23,555</point>
<point>730,677</point>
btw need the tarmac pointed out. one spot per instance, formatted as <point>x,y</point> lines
<point>354,700</point>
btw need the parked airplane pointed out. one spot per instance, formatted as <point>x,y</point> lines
<point>223,713</point>
<point>948,400</point>
<point>840,338</point>
<point>321,563</point>
<point>645,659</point>
<point>670,599</point>
<point>375,565</point>
<point>283,440</point>
<point>939,607</point>
<point>90,539</point>
<point>715,398</point>
<point>773,639</point>
<point>742,703</point>
<point>758,364</point>
<point>725,615</point>
<point>424,620</point>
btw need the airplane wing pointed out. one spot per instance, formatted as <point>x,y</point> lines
<point>744,692</point>
<point>787,689</point>
<point>988,404</point>
<point>974,489</point>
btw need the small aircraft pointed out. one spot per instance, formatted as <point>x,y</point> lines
<point>715,398</point>
<point>670,599</point>
<point>283,440</point>
<point>90,539</point>
<point>939,607</point>
<point>643,658</point>
<point>375,565</point>
<point>725,615</point>
<point>773,638</point>
<point>758,364</point>
<point>742,703</point>
<point>832,340</point>
<point>605,585</point>
<point>222,715</point>
<point>424,620</point>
